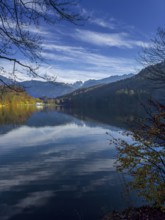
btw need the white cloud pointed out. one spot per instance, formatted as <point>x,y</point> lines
<point>120,40</point>
<point>102,23</point>
<point>93,72</point>
<point>82,55</point>
<point>71,63</point>
<point>62,48</point>
<point>24,27</point>
<point>86,64</point>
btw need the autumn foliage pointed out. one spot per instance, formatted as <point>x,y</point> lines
<point>144,159</point>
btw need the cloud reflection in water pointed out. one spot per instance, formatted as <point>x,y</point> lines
<point>55,159</point>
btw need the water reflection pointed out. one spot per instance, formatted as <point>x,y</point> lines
<point>55,166</point>
<point>16,114</point>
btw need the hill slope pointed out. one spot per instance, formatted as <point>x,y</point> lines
<point>39,89</point>
<point>53,90</point>
<point>117,93</point>
<point>93,82</point>
<point>46,89</point>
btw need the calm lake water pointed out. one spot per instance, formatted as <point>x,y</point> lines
<point>54,166</point>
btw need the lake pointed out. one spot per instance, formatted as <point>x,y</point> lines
<point>57,166</point>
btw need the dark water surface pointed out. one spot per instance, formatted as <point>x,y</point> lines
<point>54,166</point>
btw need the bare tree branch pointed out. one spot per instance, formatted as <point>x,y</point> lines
<point>154,56</point>
<point>16,16</point>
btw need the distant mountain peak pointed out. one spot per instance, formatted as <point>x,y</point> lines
<point>38,88</point>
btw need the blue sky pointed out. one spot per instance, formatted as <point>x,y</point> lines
<point>108,43</point>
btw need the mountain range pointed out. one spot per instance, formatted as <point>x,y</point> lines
<point>131,90</point>
<point>46,89</point>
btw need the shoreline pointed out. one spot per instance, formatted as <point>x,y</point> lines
<point>141,213</point>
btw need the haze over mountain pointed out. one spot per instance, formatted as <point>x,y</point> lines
<point>54,89</point>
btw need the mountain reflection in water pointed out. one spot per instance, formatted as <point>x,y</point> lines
<point>55,166</point>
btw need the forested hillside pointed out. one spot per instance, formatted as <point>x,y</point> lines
<point>122,93</point>
<point>14,96</point>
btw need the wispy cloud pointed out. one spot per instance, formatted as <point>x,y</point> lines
<point>96,19</point>
<point>40,30</point>
<point>70,63</point>
<point>86,63</point>
<point>120,40</point>
<point>102,23</point>
<point>81,54</point>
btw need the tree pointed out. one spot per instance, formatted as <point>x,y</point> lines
<point>144,159</point>
<point>153,56</point>
<point>16,16</point>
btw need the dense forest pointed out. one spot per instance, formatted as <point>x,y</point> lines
<point>127,93</point>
